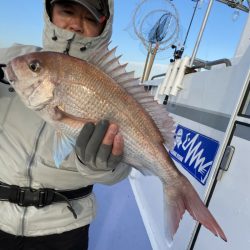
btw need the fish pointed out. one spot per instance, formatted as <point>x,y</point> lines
<point>68,92</point>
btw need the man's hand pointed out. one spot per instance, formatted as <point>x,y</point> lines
<point>99,146</point>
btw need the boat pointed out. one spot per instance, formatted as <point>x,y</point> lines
<point>210,103</point>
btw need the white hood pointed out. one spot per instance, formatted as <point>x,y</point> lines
<point>58,40</point>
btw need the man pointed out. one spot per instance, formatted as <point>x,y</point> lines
<point>41,206</point>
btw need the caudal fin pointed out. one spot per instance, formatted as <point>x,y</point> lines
<point>184,197</point>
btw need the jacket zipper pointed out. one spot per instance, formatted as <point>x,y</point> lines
<point>29,164</point>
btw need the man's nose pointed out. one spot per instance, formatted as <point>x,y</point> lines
<point>76,25</point>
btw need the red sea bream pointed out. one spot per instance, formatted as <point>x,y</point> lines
<point>67,92</point>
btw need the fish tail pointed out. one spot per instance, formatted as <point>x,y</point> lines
<point>182,198</point>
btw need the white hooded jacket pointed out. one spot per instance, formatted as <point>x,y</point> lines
<point>26,149</point>
<point>57,39</point>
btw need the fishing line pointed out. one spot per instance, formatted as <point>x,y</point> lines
<point>191,22</point>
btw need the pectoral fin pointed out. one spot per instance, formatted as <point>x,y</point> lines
<point>63,146</point>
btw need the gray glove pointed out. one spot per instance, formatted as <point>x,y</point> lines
<point>91,151</point>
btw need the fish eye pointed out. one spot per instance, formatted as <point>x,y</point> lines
<point>35,66</point>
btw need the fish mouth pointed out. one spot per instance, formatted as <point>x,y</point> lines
<point>11,76</point>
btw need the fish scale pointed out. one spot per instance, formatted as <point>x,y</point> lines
<point>114,103</point>
<point>115,98</point>
<point>72,92</point>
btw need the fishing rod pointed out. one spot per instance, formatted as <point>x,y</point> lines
<point>178,52</point>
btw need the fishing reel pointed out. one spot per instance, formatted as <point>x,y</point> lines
<point>177,53</point>
<point>2,80</point>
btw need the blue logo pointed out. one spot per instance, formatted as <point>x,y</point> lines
<point>195,152</point>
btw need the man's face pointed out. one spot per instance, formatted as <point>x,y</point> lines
<point>76,18</point>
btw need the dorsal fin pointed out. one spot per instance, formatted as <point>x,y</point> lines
<point>107,61</point>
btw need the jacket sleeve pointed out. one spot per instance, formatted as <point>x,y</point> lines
<point>108,177</point>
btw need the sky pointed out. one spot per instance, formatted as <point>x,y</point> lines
<point>21,21</point>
